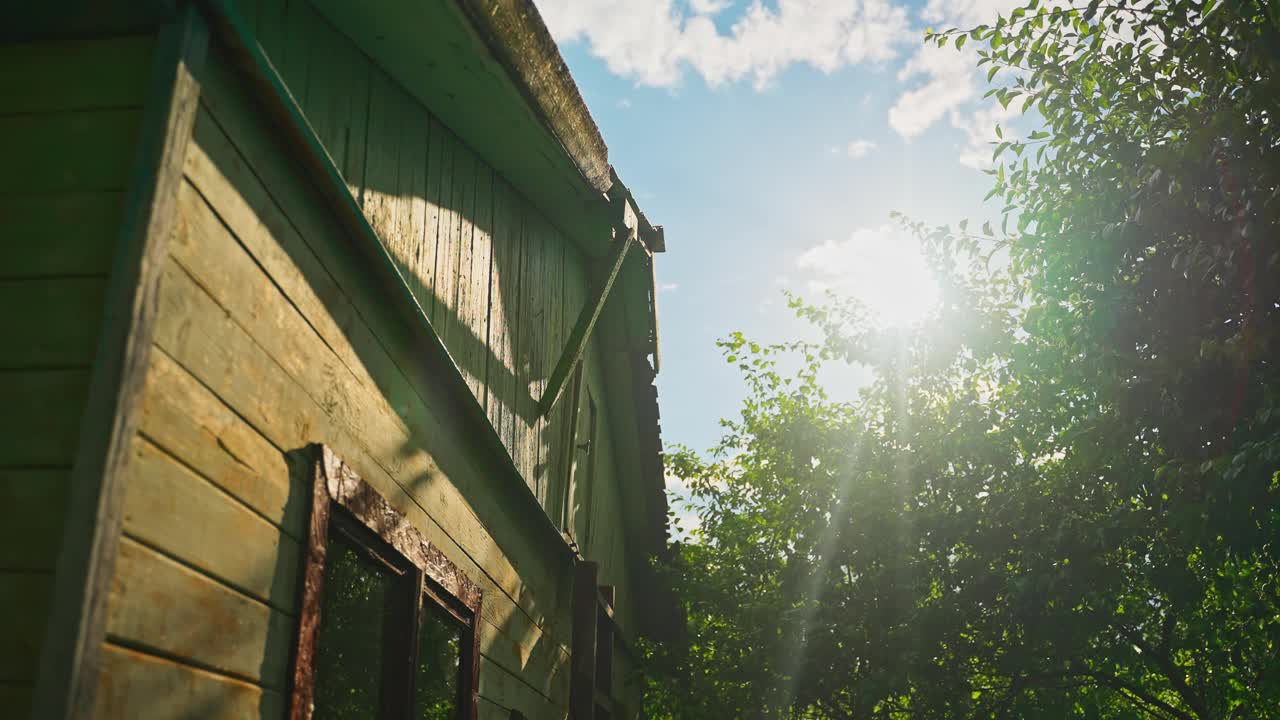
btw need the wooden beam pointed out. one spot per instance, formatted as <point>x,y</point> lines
<point>577,343</point>
<point>582,659</point>
<point>69,662</point>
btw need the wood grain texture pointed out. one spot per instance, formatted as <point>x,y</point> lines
<point>186,420</point>
<point>139,686</point>
<point>584,323</point>
<point>504,294</point>
<point>162,606</point>
<point>170,507</point>
<point>340,327</point>
<point>69,663</point>
<point>272,401</point>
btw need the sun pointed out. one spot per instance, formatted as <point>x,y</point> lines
<point>882,267</point>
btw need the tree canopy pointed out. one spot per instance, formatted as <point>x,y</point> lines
<point>1060,496</point>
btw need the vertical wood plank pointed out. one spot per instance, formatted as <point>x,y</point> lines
<point>552,447</point>
<point>477,316</point>
<point>382,173</point>
<point>504,277</point>
<point>460,338</point>
<point>294,64</point>
<point>532,341</point>
<point>72,649</point>
<point>446,276</point>
<point>437,179</point>
<point>415,126</point>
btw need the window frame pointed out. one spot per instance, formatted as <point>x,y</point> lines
<point>341,501</point>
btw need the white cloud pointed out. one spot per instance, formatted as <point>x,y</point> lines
<point>655,41</point>
<point>979,128</point>
<point>859,148</point>
<point>624,104</point>
<point>949,82</point>
<point>883,267</point>
<point>946,79</point>
<point>668,287</point>
<point>709,7</point>
<point>966,13</point>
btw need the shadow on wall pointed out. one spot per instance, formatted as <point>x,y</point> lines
<point>373,333</point>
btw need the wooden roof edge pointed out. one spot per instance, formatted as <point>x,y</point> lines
<point>518,37</point>
<point>652,236</point>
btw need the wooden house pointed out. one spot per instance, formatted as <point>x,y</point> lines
<point>327,373</point>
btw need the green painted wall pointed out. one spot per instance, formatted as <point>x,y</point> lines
<point>69,113</point>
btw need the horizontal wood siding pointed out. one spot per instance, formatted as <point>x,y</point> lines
<point>270,336</point>
<point>473,250</point>
<point>69,114</point>
<point>501,284</point>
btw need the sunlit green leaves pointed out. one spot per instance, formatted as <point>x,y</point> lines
<point>1062,498</point>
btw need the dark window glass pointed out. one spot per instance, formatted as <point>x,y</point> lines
<point>439,664</point>
<point>350,647</point>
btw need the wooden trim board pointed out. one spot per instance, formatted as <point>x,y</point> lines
<point>436,577</point>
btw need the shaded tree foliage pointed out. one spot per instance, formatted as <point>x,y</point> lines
<point>1060,496</point>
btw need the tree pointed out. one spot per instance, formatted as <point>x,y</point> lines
<point>1060,497</point>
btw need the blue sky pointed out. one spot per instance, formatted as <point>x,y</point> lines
<point>772,140</point>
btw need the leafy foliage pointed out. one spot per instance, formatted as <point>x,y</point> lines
<point>1061,496</point>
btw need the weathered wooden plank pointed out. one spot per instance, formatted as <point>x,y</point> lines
<point>134,685</point>
<point>68,666</point>
<point>439,164</point>
<point>68,151</point>
<point>295,63</point>
<point>50,322</point>
<point>444,308</point>
<point>58,234</point>
<point>32,503</point>
<point>369,254</point>
<point>310,217</point>
<point>504,295</point>
<point>504,688</point>
<point>24,597</point>
<point>336,97</point>
<point>529,348</point>
<point>203,246</point>
<point>415,126</point>
<point>355,118</point>
<point>474,312</point>
<point>324,304</point>
<point>160,605</point>
<point>191,423</point>
<point>277,405</point>
<point>41,418</point>
<point>50,77</point>
<point>554,440</point>
<point>576,343</point>
<point>169,507</point>
<point>461,339</point>
<point>326,96</point>
<point>382,158</point>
